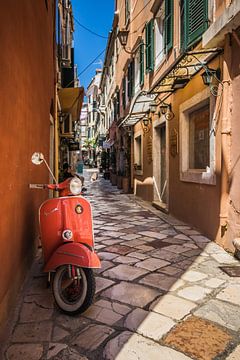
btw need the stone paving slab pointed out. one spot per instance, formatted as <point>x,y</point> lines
<point>173,306</point>
<point>130,346</point>
<point>102,284</point>
<point>36,332</point>
<point>92,337</point>
<point>152,264</point>
<point>235,355</point>
<point>198,338</point>
<point>131,294</point>
<point>231,294</point>
<point>157,272</point>
<point>222,313</point>
<point>124,272</point>
<point>194,293</point>
<point>159,281</point>
<point>25,351</point>
<point>149,324</point>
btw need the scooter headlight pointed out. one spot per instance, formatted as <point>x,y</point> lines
<point>75,186</point>
<point>67,235</point>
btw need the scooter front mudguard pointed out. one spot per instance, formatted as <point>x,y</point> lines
<point>73,254</point>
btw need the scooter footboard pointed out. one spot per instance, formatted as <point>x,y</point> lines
<point>73,254</point>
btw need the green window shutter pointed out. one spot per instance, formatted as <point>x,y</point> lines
<point>196,20</point>
<point>124,93</point>
<point>141,63</point>
<point>130,79</point>
<point>149,40</point>
<point>168,24</point>
<point>127,11</point>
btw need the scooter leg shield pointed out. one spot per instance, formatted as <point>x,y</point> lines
<point>73,254</point>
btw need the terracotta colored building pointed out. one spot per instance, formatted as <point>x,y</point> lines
<point>27,110</point>
<point>39,87</point>
<point>177,73</point>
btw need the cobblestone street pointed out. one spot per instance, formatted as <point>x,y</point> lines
<point>160,294</point>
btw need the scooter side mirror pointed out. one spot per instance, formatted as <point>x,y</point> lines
<point>37,158</point>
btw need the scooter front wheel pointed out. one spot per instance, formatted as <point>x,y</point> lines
<point>73,295</point>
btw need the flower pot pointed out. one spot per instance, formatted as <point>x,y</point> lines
<point>119,182</point>
<point>113,179</point>
<point>125,184</point>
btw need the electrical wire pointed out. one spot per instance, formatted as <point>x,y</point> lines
<point>89,30</point>
<point>79,74</point>
<point>91,62</point>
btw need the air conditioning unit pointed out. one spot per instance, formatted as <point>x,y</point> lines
<point>66,56</point>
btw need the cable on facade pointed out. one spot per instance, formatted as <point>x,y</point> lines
<point>89,30</point>
<point>86,67</point>
<point>102,52</point>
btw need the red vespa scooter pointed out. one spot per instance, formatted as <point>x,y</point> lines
<point>68,243</point>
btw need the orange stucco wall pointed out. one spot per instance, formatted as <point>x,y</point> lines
<point>26,94</point>
<point>195,203</point>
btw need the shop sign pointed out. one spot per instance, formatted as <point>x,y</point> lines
<point>174,142</point>
<point>149,149</point>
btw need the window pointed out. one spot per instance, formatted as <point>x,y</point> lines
<point>141,64</point>
<point>168,24</point>
<point>118,102</point>
<point>159,36</point>
<point>127,11</point>
<point>197,141</point>
<point>199,138</point>
<point>194,21</point>
<point>138,152</point>
<point>124,93</point>
<point>149,40</point>
<point>137,72</point>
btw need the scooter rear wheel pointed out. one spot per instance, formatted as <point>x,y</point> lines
<point>78,295</point>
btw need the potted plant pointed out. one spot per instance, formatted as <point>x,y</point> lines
<point>126,175</point>
<point>119,179</point>
<point>113,175</point>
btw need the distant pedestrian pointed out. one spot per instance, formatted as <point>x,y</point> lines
<point>68,173</point>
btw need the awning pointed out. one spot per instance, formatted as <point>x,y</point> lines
<point>71,100</point>
<point>185,66</point>
<point>139,108</point>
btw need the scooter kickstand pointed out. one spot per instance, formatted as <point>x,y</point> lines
<point>49,280</point>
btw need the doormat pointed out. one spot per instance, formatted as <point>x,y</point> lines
<point>233,271</point>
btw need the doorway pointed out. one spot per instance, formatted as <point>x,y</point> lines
<point>163,175</point>
<point>160,165</point>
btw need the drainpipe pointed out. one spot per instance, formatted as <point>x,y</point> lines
<point>56,135</point>
<point>226,146</point>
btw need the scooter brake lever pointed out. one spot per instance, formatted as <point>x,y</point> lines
<point>36,186</point>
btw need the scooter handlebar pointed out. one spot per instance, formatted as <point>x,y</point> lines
<point>44,186</point>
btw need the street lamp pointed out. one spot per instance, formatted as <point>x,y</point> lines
<point>209,75</point>
<point>146,124</point>
<point>166,110</point>
<point>123,37</point>
<point>152,107</point>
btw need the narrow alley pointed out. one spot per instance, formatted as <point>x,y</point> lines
<point>160,293</point>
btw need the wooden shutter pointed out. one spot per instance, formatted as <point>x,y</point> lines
<point>130,79</point>
<point>149,40</point>
<point>168,24</point>
<point>196,20</point>
<point>124,93</point>
<point>141,63</point>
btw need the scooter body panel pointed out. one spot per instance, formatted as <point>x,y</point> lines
<point>72,254</point>
<point>65,213</point>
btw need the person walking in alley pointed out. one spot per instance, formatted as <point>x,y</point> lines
<point>68,172</point>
